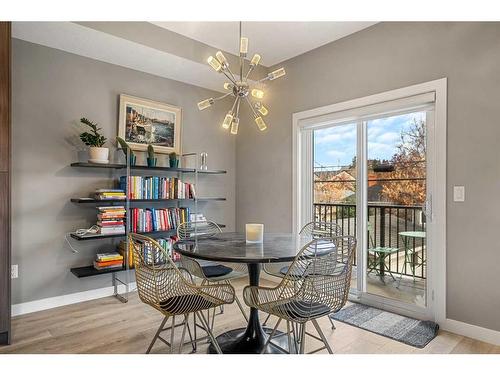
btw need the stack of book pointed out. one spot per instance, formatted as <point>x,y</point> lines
<point>106,261</point>
<point>111,219</point>
<point>151,254</point>
<point>151,219</point>
<point>109,194</point>
<point>155,187</point>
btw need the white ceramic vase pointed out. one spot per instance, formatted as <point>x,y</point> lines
<point>99,155</point>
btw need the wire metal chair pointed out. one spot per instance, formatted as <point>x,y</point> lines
<point>170,290</point>
<point>316,285</point>
<point>314,229</point>
<point>209,272</point>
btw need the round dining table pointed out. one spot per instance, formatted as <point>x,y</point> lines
<point>232,248</point>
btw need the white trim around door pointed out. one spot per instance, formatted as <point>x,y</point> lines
<point>387,102</point>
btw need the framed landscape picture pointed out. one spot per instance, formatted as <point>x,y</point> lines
<point>143,122</point>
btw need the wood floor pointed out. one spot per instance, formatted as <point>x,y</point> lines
<point>109,326</point>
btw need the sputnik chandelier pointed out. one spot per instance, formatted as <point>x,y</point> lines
<point>240,88</point>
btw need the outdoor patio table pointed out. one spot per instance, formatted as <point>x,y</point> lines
<point>411,256</point>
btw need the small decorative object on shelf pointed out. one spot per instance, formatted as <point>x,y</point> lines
<point>203,165</point>
<point>151,156</point>
<point>254,233</point>
<point>174,161</point>
<point>124,146</point>
<point>97,153</point>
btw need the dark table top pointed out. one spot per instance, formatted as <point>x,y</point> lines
<point>232,247</point>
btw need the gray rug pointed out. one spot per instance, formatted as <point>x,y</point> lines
<point>417,333</point>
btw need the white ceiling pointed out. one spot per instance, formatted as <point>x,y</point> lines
<point>84,41</point>
<point>274,41</point>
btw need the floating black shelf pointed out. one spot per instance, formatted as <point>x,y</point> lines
<point>98,236</point>
<point>87,271</point>
<point>107,201</point>
<point>145,167</point>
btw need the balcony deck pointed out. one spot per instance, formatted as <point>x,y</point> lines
<point>386,223</point>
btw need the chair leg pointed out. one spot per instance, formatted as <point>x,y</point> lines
<point>270,336</point>
<point>241,308</point>
<point>172,335</point>
<point>289,334</point>
<point>193,342</point>
<point>209,331</point>
<point>302,338</point>
<point>265,321</point>
<point>331,321</point>
<point>183,336</point>
<point>213,321</point>
<point>295,338</point>
<point>163,322</point>
<point>320,333</point>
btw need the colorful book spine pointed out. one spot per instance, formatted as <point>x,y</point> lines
<point>153,220</point>
<point>155,187</point>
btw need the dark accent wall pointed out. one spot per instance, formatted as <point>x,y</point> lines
<point>5,52</point>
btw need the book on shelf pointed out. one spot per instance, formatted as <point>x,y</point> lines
<point>152,220</point>
<point>106,257</point>
<point>151,254</point>
<point>104,261</point>
<point>109,194</point>
<point>156,187</point>
<point>111,219</point>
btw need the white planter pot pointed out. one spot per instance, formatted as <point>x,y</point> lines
<point>99,155</point>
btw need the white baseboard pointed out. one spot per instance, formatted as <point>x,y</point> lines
<point>67,299</point>
<point>475,332</point>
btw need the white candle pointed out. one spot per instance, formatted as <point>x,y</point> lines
<point>254,233</point>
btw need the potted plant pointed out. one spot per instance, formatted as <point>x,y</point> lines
<point>95,141</point>
<point>174,162</point>
<point>125,147</point>
<point>151,156</point>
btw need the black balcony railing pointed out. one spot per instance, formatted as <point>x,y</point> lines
<point>386,223</point>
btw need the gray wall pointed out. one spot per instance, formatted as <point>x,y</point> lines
<point>384,57</point>
<point>51,91</point>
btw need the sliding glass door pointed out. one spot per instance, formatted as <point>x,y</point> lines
<point>335,178</point>
<point>396,194</point>
<point>370,178</point>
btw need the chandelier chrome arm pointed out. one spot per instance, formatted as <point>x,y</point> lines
<point>231,77</point>
<point>251,105</point>
<point>238,101</point>
<point>222,97</point>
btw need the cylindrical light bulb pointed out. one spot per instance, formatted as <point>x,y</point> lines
<point>255,60</point>
<point>243,46</point>
<point>214,63</point>
<point>222,59</point>
<point>263,110</point>
<point>260,123</point>
<point>228,86</point>
<point>205,104</point>
<point>234,125</point>
<point>276,74</point>
<point>227,120</point>
<point>256,93</point>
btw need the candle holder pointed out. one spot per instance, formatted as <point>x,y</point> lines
<point>254,233</point>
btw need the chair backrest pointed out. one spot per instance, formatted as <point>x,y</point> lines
<point>157,276</point>
<point>318,229</point>
<point>321,274</point>
<point>199,229</point>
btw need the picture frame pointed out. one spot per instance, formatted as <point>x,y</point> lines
<point>142,122</point>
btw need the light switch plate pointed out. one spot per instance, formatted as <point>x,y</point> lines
<point>14,271</point>
<point>459,193</point>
